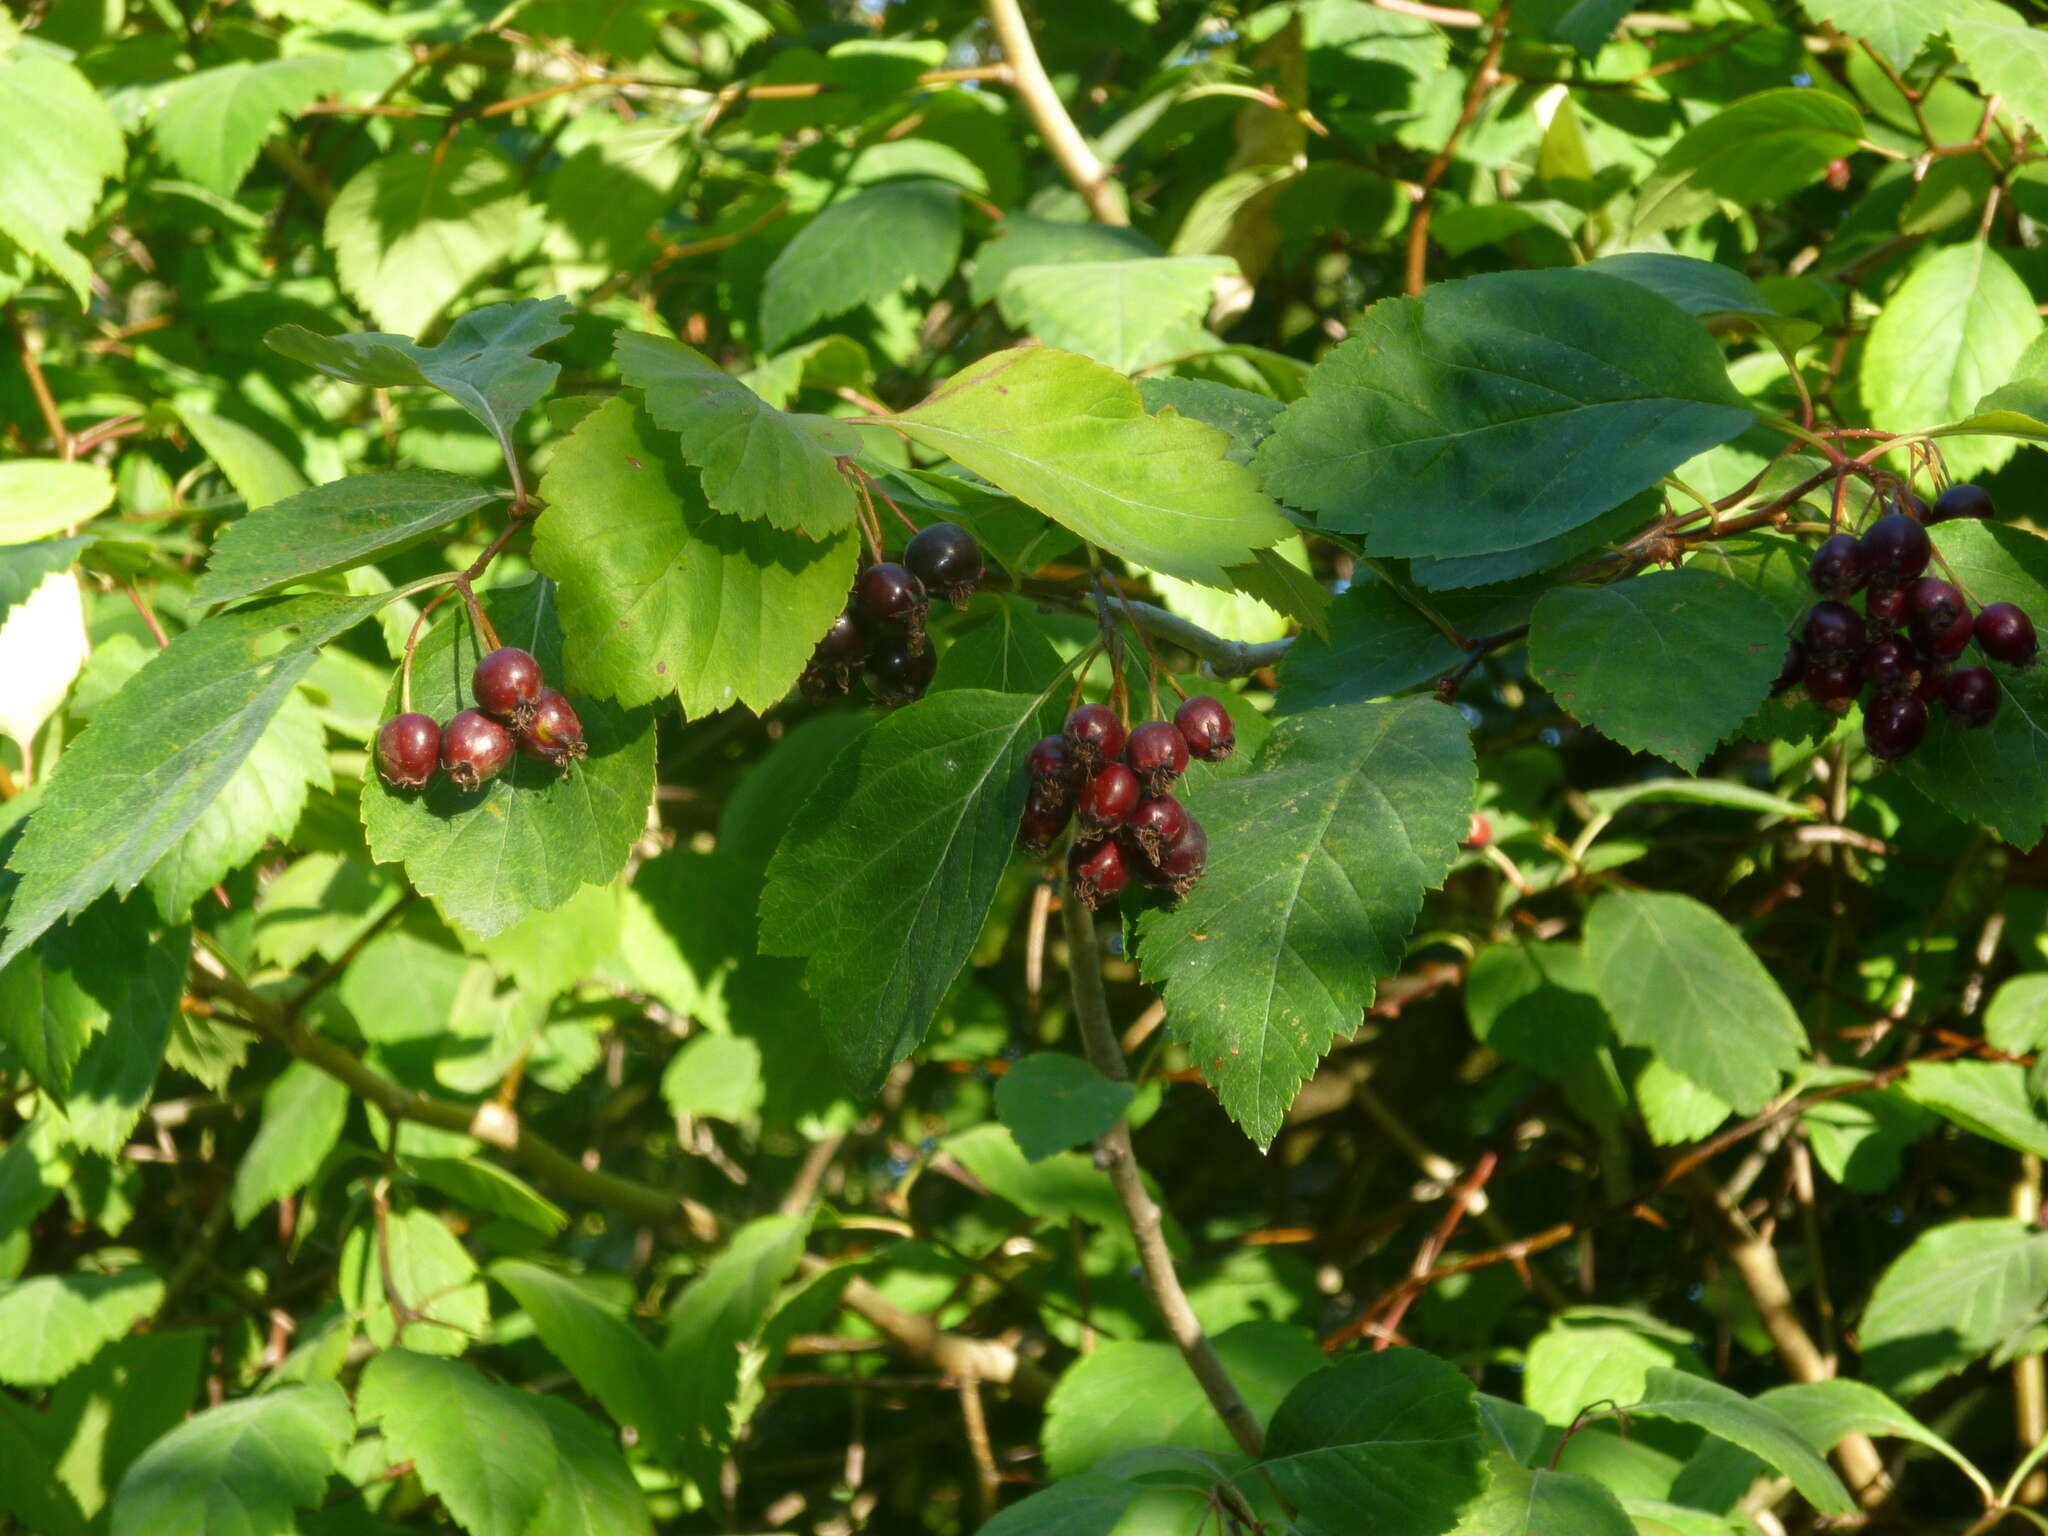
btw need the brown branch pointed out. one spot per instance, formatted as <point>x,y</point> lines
<point>1028,77</point>
<point>40,387</point>
<point>1483,81</point>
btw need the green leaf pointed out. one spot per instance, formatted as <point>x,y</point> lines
<point>1496,412</point>
<point>160,751</point>
<point>1954,329</point>
<point>1122,313</point>
<point>1011,651</point>
<point>1596,1356</point>
<point>23,567</point>
<point>601,1349</point>
<point>2007,55</point>
<point>1132,1393</point>
<point>247,460</point>
<point>415,229</point>
<point>1757,150</point>
<point>41,497</point>
<point>1051,1101</point>
<point>239,1469</point>
<point>883,878</point>
<point>902,234</point>
<point>1381,643</point>
<point>1698,287</point>
<point>1896,28</point>
<point>1956,1293</point>
<point>303,1110</point>
<point>1388,1442</point>
<point>487,1187</point>
<point>2016,1018</point>
<point>1056,1189</point>
<point>1986,1098</point>
<point>1670,662</point>
<point>1157,1489</point>
<point>1072,439</point>
<point>1027,239</point>
<point>52,1324</point>
<point>535,835</point>
<point>716,1076</point>
<point>62,144</point>
<point>1860,1139</point>
<point>661,593</point>
<point>1534,1003</point>
<point>1565,549</point>
<point>1757,1429</point>
<point>1318,861</point>
<point>1677,979</point>
<point>211,125</point>
<point>594,1491</point>
<point>432,1274</point>
<point>1521,1502</point>
<point>756,461</point>
<point>484,1450</point>
<point>1245,416</point>
<point>335,527</point>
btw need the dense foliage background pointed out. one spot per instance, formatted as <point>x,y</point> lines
<point>699,1139</point>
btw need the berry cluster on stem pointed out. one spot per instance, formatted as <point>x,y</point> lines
<point>514,709</point>
<point>881,631</point>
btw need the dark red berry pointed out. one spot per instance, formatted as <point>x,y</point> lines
<point>821,683</point>
<point>506,683</point>
<point>1954,640</point>
<point>1205,725</point>
<point>1836,569</point>
<point>1046,814</point>
<point>474,748</point>
<point>1884,610</point>
<point>2006,634</point>
<point>1158,823</point>
<point>1834,632</point>
<point>890,593</point>
<point>1094,736</point>
<point>1962,501</point>
<point>1889,666</point>
<point>1893,727</point>
<point>1832,682</point>
<point>1098,872</point>
<point>1182,864</point>
<point>1107,800</point>
<point>947,560</point>
<point>1157,752</point>
<point>1895,549</point>
<point>1932,608</point>
<point>1478,831</point>
<point>842,645</point>
<point>1793,670</point>
<point>1049,761</point>
<point>1934,676</point>
<point>900,671</point>
<point>554,732</point>
<point>408,749</point>
<point>1970,696</point>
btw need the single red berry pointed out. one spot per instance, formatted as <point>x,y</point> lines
<point>890,593</point>
<point>1094,736</point>
<point>1962,501</point>
<point>408,750</point>
<point>506,683</point>
<point>2006,634</point>
<point>1478,832</point>
<point>946,559</point>
<point>1107,800</point>
<point>1158,823</point>
<point>1836,569</point>
<point>1050,762</point>
<point>1157,753</point>
<point>1183,863</point>
<point>843,645</point>
<point>1838,175</point>
<point>1098,872</point>
<point>1889,666</point>
<point>554,732</point>
<point>1971,698</point>
<point>1954,640</point>
<point>1895,549</point>
<point>474,748</point>
<point>1832,683</point>
<point>1046,814</point>
<point>1884,610</point>
<point>900,671</point>
<point>1893,727</point>
<point>1205,725</point>
<point>1834,632</point>
<point>1932,608</point>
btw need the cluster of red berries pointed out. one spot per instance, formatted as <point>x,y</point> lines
<point>1115,788</point>
<point>1904,645</point>
<point>514,706</point>
<point>881,629</point>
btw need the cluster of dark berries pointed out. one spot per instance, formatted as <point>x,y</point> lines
<point>1904,646</point>
<point>1116,788</point>
<point>514,707</point>
<point>881,630</point>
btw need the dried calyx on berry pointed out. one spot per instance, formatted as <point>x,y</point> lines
<point>900,671</point>
<point>893,598</point>
<point>1157,754</point>
<point>1097,872</point>
<point>1157,824</point>
<point>1205,725</point>
<point>1049,762</point>
<point>506,683</point>
<point>1094,736</point>
<point>553,733</point>
<point>408,750</point>
<point>946,558</point>
<point>1047,811</point>
<point>474,749</point>
<point>830,669</point>
<point>1181,866</point>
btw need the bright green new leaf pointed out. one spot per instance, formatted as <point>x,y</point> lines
<point>1496,412</point>
<point>590,1335</point>
<point>486,1187</point>
<point>41,497</point>
<point>1596,1356</point>
<point>661,594</point>
<point>1956,1293</point>
<point>2007,54</point>
<point>1071,438</point>
<point>1051,1101</point>
<point>211,125</point>
<point>250,462</point>
<point>485,1450</point>
<point>1756,150</point>
<point>1986,1098</point>
<point>901,234</point>
<point>50,1325</point>
<point>62,144</point>
<point>1318,861</point>
<point>1896,28</point>
<point>1522,1502</point>
<point>1757,1429</point>
<point>239,1469</point>
<point>303,1110</point>
<point>1026,239</point>
<point>428,1267</point>
<point>1123,314</point>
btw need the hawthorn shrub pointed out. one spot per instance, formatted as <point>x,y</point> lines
<point>1156,768</point>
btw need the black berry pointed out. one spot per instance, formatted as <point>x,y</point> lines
<point>1954,640</point>
<point>899,670</point>
<point>1893,727</point>
<point>474,748</point>
<point>1884,610</point>
<point>1834,632</point>
<point>842,645</point>
<point>1934,676</point>
<point>408,750</point>
<point>890,593</point>
<point>1205,725</point>
<point>1962,501</point>
<point>1157,752</point>
<point>1793,670</point>
<point>821,683</point>
<point>1895,549</point>
<point>1158,823</point>
<point>506,683</point>
<point>554,732</point>
<point>946,559</point>
<point>1046,814</point>
<point>1107,800</point>
<point>1932,608</point>
<point>1094,736</point>
<point>1098,872</point>
<point>1049,761</point>
<point>1832,682</point>
<point>1970,696</point>
<point>1889,667</point>
<point>1836,569</point>
<point>2006,634</point>
<point>1182,864</point>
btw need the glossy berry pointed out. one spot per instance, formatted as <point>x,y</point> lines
<point>1970,697</point>
<point>1834,632</point>
<point>1893,727</point>
<point>1832,683</point>
<point>1884,610</point>
<point>1932,608</point>
<point>1094,736</point>
<point>554,732</point>
<point>1158,823</point>
<point>474,748</point>
<point>1478,832</point>
<point>1889,667</point>
<point>1836,569</point>
<point>1962,501</point>
<point>888,592</point>
<point>1098,872</point>
<point>1953,641</point>
<point>1183,863</point>
<point>1205,725</point>
<point>506,683</point>
<point>946,559</point>
<point>1934,676</point>
<point>1107,800</point>
<point>900,670</point>
<point>1157,753</point>
<point>2006,634</point>
<point>1793,669</point>
<point>408,750</point>
<point>1895,549</point>
<point>1049,762</point>
<point>842,645</point>
<point>1046,814</point>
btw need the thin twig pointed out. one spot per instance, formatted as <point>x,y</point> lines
<point>1483,81</point>
<point>40,387</point>
<point>1073,153</point>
